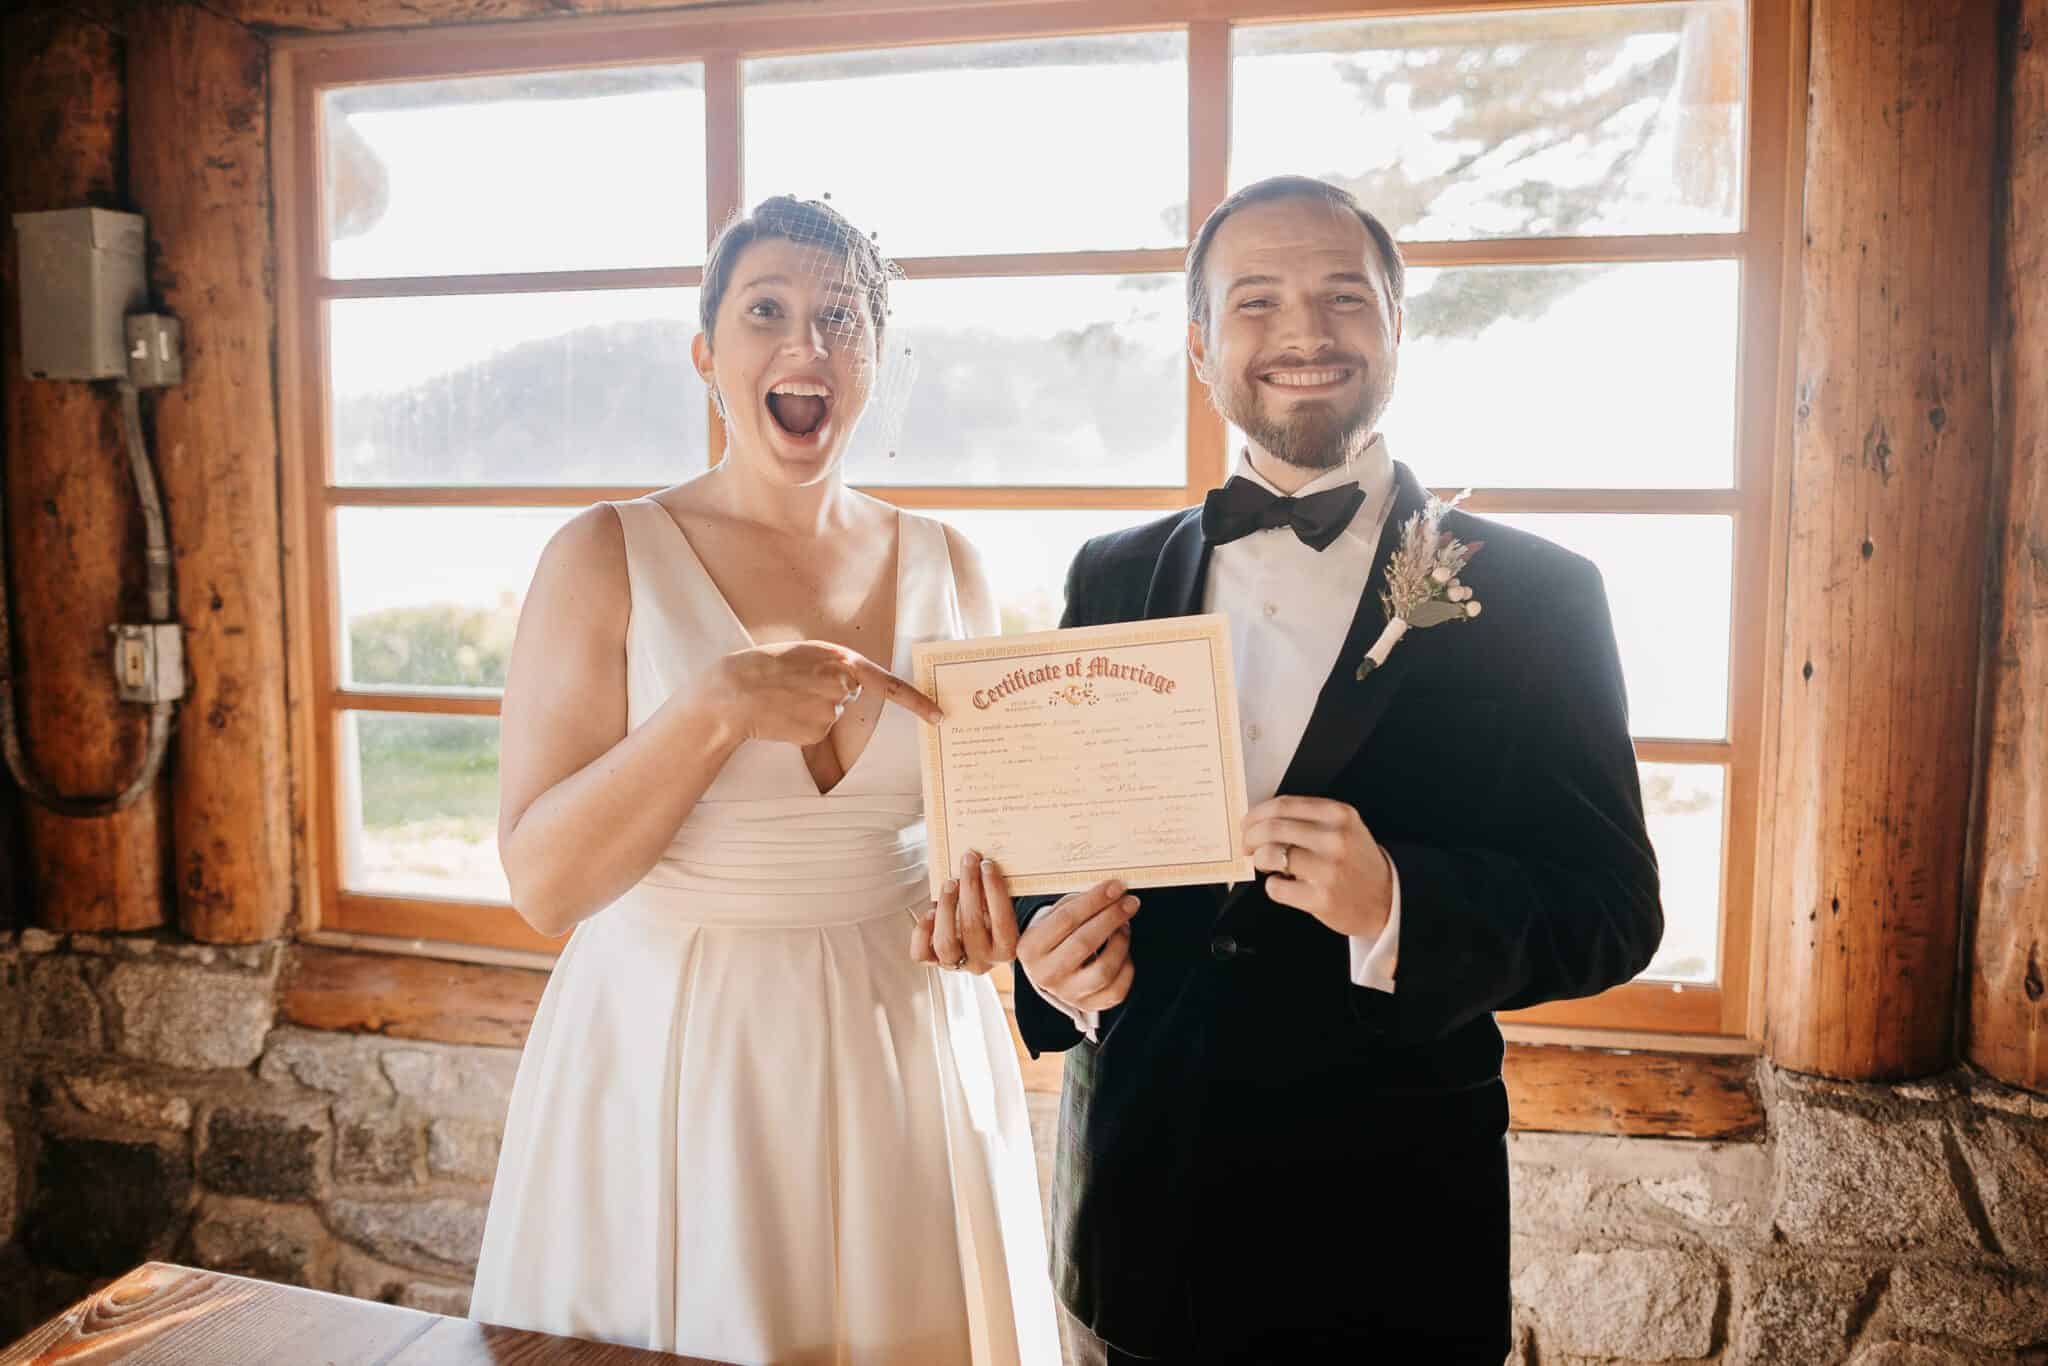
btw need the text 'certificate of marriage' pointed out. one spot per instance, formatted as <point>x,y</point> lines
<point>1070,757</point>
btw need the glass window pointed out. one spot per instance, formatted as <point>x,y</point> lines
<point>591,387</point>
<point>564,170</point>
<point>1052,144</point>
<point>1537,123</point>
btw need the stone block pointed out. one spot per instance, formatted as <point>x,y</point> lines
<point>34,940</point>
<point>1798,1311</point>
<point>1905,1354</point>
<point>10,1180</point>
<point>1637,1190</point>
<point>339,1064</point>
<point>454,1079</point>
<point>284,1243</point>
<point>13,1003</point>
<point>436,1297</point>
<point>62,1010</point>
<point>365,1278</point>
<point>2008,1159</point>
<point>1849,1179</point>
<point>186,1015</point>
<point>379,1146</point>
<point>1639,1304</point>
<point>124,1098</point>
<point>1990,1309</point>
<point>273,1153</point>
<point>433,1233</point>
<point>462,1149</point>
<point>100,1207</point>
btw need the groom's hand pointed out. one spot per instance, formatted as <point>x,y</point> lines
<point>1323,860</point>
<point>1078,951</point>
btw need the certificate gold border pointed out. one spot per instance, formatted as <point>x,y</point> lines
<point>1211,629</point>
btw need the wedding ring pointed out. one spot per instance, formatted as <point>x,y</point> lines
<point>962,963</point>
<point>1286,859</point>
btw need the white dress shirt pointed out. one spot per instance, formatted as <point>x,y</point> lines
<point>1290,608</point>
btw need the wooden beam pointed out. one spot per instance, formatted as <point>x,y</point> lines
<point>313,18</point>
<point>407,997</point>
<point>1658,1095</point>
<point>74,534</point>
<point>1891,445</point>
<point>198,153</point>
<point>1573,1090</point>
<point>2008,1019</point>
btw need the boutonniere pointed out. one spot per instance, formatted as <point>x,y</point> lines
<point>1422,581</point>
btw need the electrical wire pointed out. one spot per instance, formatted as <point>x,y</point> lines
<point>157,561</point>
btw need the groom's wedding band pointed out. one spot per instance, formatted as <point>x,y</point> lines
<point>1286,859</point>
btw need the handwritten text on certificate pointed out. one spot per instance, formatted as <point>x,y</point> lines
<point>1074,756</point>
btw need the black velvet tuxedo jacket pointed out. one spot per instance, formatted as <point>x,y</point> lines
<point>1256,1151</point>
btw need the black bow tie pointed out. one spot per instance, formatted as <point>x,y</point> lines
<point>1241,507</point>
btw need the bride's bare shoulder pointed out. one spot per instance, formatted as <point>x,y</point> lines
<point>582,572</point>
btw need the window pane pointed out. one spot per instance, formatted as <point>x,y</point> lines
<point>1684,804</point>
<point>1072,380</point>
<point>1569,376</point>
<point>420,797</point>
<point>1059,144</point>
<point>430,596</point>
<point>568,170</point>
<point>1616,119</point>
<point>1669,580</point>
<point>1027,553</point>
<point>582,388</point>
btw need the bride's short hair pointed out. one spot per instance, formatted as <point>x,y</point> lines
<point>807,222</point>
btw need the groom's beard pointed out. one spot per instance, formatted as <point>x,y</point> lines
<point>1312,435</point>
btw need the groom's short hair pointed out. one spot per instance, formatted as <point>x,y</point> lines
<point>1288,187</point>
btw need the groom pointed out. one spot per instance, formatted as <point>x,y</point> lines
<point>1282,1126</point>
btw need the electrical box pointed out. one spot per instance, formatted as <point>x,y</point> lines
<point>154,356</point>
<point>82,274</point>
<point>149,662</point>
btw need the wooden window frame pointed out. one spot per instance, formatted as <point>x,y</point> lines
<point>1719,1014</point>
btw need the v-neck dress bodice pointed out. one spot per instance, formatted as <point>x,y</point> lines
<point>763,846</point>
<point>746,1126</point>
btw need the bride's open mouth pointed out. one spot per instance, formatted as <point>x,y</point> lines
<point>799,408</point>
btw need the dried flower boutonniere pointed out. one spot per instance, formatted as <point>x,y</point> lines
<point>1422,581</point>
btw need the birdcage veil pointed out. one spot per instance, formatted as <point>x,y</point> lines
<point>848,278</point>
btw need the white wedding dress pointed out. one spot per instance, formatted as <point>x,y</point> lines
<point>746,1126</point>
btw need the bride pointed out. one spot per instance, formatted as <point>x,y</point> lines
<point>746,1125</point>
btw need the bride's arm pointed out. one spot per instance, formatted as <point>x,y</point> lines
<point>584,808</point>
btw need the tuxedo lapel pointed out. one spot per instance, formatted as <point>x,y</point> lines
<point>1177,580</point>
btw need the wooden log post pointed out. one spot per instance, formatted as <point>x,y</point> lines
<point>1891,457</point>
<point>2008,1021</point>
<point>1891,452</point>
<point>198,131</point>
<point>74,534</point>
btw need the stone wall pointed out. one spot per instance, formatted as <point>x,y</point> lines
<point>153,1107</point>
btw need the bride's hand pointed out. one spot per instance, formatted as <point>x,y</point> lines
<point>974,925</point>
<point>795,692</point>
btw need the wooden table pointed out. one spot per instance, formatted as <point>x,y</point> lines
<point>160,1315</point>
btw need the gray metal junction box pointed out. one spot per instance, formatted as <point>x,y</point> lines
<point>82,274</point>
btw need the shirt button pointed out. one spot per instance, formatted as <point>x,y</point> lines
<point>1252,731</point>
<point>1223,948</point>
<point>1272,609</point>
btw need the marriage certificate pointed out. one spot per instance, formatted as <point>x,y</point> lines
<point>1070,757</point>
